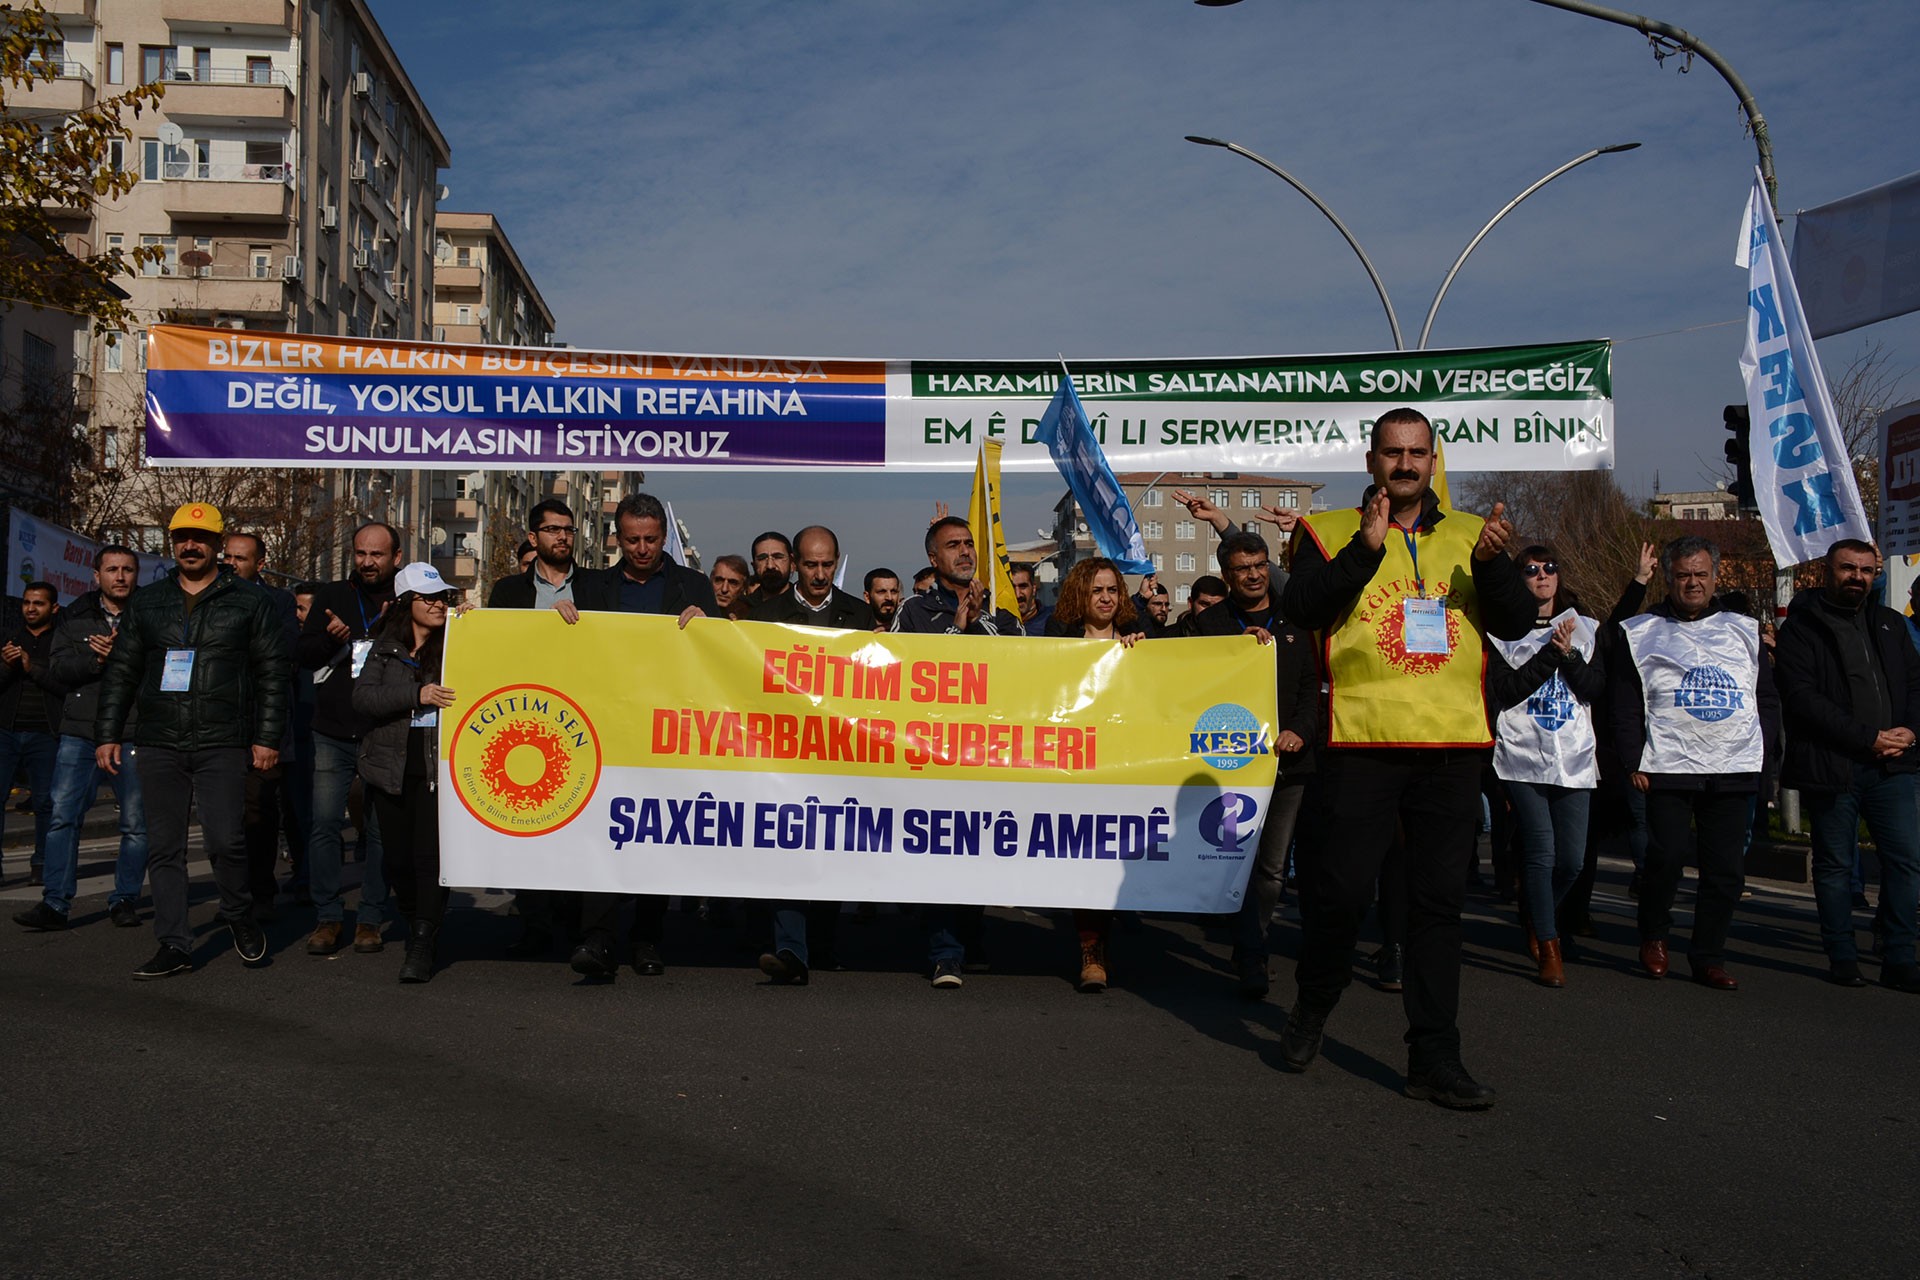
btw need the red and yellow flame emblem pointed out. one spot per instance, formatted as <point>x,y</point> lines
<point>525,760</point>
<point>1390,638</point>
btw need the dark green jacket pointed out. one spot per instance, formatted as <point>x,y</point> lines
<point>237,695</point>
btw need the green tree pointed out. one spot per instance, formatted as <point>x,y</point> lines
<point>54,163</point>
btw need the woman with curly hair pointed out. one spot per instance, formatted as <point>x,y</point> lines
<point>1094,605</point>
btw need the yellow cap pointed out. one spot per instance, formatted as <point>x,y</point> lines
<point>198,515</point>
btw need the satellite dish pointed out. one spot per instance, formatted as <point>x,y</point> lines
<point>438,537</point>
<point>171,133</point>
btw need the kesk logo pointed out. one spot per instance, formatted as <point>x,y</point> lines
<point>1227,823</point>
<point>1709,693</point>
<point>525,760</point>
<point>1551,706</point>
<point>1227,736</point>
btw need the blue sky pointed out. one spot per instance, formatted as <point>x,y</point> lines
<point>1010,180</point>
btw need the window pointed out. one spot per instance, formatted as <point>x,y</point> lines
<point>463,315</point>
<point>110,448</point>
<point>259,71</point>
<point>1220,498</point>
<point>156,62</point>
<point>116,64</point>
<point>38,370</point>
<point>1151,498</point>
<point>1250,498</point>
<point>1183,531</point>
<point>1183,593</point>
<point>1152,529</point>
<point>463,256</point>
<point>1183,563</point>
<point>203,65</point>
<point>1287,499</point>
<point>326,102</point>
<point>113,357</point>
<point>117,155</point>
<point>205,245</point>
<point>1159,562</point>
<point>140,351</point>
<point>1250,526</point>
<point>170,262</point>
<point>260,257</point>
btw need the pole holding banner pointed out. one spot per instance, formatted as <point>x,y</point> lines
<point>989,539</point>
<point>1802,475</point>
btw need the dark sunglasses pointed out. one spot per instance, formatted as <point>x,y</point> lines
<point>1537,568</point>
<point>441,597</point>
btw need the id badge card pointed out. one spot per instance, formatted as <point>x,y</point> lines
<point>361,648</point>
<point>1426,626</point>
<point>176,676</point>
<point>427,718</point>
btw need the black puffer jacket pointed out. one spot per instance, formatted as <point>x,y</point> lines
<point>1824,741</point>
<point>77,667</point>
<point>237,694</point>
<point>387,694</point>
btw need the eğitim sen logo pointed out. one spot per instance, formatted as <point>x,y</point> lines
<point>525,760</point>
<point>1709,693</point>
<point>1227,736</point>
<point>1227,823</point>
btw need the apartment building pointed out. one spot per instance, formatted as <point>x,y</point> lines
<point>290,179</point>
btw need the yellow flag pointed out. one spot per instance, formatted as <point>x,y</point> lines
<point>989,543</point>
<point>1440,490</point>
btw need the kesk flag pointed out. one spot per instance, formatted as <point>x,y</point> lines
<point>989,539</point>
<point>743,759</point>
<point>1068,435</point>
<point>1802,476</point>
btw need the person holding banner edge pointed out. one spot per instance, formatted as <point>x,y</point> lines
<point>1403,592</point>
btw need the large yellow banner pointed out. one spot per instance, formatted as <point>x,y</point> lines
<point>625,753</point>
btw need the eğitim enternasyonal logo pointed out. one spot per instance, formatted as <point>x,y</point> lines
<point>1227,822</point>
<point>525,760</point>
<point>1228,736</point>
<point>1551,706</point>
<point>1709,693</point>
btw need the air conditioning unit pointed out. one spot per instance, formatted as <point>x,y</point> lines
<point>290,268</point>
<point>329,217</point>
<point>359,171</point>
<point>362,84</point>
<point>362,259</point>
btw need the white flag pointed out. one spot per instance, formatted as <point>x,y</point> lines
<point>676,549</point>
<point>1802,477</point>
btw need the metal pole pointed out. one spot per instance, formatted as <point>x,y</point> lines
<point>1427,327</point>
<point>1652,28</point>
<point>1399,343</point>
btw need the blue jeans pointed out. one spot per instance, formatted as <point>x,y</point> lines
<point>76,781</point>
<point>1886,802</point>
<point>333,768</point>
<point>1553,843</point>
<point>35,751</point>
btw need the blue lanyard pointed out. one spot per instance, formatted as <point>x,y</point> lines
<point>1413,553</point>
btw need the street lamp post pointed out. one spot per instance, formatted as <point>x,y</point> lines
<point>1393,321</point>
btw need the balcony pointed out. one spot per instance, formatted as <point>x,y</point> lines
<point>249,17</point>
<point>458,570</point>
<point>228,192</point>
<point>81,9</point>
<point>448,276</point>
<point>208,295</point>
<point>69,91</point>
<point>448,510</point>
<point>229,95</point>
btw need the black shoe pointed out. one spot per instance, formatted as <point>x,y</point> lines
<point>1253,976</point>
<point>1845,973</point>
<point>946,974</point>
<point>1860,902</point>
<point>166,962</point>
<point>532,944</point>
<point>124,914</point>
<point>41,918</point>
<point>418,966</point>
<point>1300,1040</point>
<point>646,960</point>
<point>1449,1085</point>
<point>248,940</point>
<point>785,968</point>
<point>1904,977</point>
<point>1390,964</point>
<point>590,960</point>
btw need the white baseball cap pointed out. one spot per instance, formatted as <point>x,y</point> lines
<point>420,578</point>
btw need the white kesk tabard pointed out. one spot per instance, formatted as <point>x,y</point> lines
<point>1548,738</point>
<point>1700,679</point>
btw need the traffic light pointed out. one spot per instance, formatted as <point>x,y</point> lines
<point>1740,454</point>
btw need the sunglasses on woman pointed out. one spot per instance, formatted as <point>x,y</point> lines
<point>1537,568</point>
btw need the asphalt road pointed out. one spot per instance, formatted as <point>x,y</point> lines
<point>314,1118</point>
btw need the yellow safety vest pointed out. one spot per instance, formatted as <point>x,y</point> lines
<point>1380,694</point>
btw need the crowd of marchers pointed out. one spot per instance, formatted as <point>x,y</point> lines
<point>1434,678</point>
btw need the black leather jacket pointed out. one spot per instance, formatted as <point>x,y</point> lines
<point>237,693</point>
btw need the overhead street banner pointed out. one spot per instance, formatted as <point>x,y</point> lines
<point>625,754</point>
<point>220,397</point>
<point>41,551</point>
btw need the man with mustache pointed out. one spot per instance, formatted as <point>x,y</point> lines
<point>1403,592</point>
<point>772,569</point>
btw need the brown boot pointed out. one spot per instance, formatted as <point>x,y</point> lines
<point>367,939</point>
<point>1093,964</point>
<point>1552,972</point>
<point>325,939</point>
